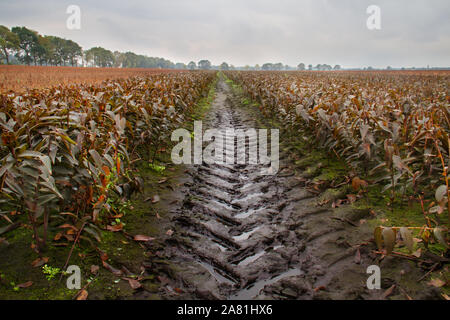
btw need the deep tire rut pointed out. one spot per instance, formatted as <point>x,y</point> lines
<point>228,220</point>
<point>242,235</point>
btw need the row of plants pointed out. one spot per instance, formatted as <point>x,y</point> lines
<point>67,152</point>
<point>391,128</point>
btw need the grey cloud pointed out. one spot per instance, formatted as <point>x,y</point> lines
<point>414,32</point>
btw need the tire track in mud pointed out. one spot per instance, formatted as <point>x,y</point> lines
<point>231,244</point>
<point>227,222</point>
<point>242,235</point>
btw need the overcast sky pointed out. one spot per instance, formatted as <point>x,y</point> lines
<point>240,32</point>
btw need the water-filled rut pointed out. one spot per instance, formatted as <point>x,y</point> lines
<point>229,219</point>
<point>239,234</point>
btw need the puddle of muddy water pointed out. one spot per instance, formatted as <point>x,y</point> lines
<point>245,235</point>
<point>248,213</point>
<point>247,186</point>
<point>250,259</point>
<point>221,204</point>
<point>255,256</point>
<point>249,197</point>
<point>220,278</point>
<point>221,247</point>
<point>254,289</point>
<point>243,177</point>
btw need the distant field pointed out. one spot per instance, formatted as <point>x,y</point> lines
<point>20,78</point>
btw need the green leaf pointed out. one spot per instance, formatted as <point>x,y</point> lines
<point>67,138</point>
<point>110,160</point>
<point>97,158</point>
<point>94,233</point>
<point>47,163</point>
<point>51,186</point>
<point>34,154</point>
<point>12,184</point>
<point>441,192</point>
<point>398,162</point>
<point>6,167</point>
<point>30,171</point>
<point>46,198</point>
<point>30,154</point>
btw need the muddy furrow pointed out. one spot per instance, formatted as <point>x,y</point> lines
<point>227,226</point>
<point>242,235</point>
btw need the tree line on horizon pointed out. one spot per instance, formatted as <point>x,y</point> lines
<point>28,47</point>
<point>20,45</point>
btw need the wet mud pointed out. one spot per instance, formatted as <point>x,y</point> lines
<point>238,234</point>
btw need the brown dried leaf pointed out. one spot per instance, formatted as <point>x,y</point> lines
<point>111,269</point>
<point>115,228</point>
<point>178,290</point>
<point>389,291</point>
<point>143,238</point>
<point>319,288</point>
<point>155,198</point>
<point>103,255</point>
<point>58,236</point>
<point>357,183</point>
<point>25,284</point>
<point>82,295</point>
<point>351,198</point>
<point>94,269</point>
<point>39,262</point>
<point>357,256</point>
<point>436,282</point>
<point>417,253</point>
<point>68,226</point>
<point>134,284</point>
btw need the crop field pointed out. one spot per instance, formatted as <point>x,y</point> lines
<point>85,172</point>
<point>217,158</point>
<point>20,78</point>
<point>393,126</point>
<point>65,149</point>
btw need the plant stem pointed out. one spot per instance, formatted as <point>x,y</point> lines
<point>444,168</point>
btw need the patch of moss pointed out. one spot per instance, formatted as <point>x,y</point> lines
<point>205,103</point>
<point>400,214</point>
<point>310,160</point>
<point>333,194</point>
<point>411,216</point>
<point>157,168</point>
<point>245,101</point>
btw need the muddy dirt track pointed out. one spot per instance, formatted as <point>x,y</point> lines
<point>238,234</point>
